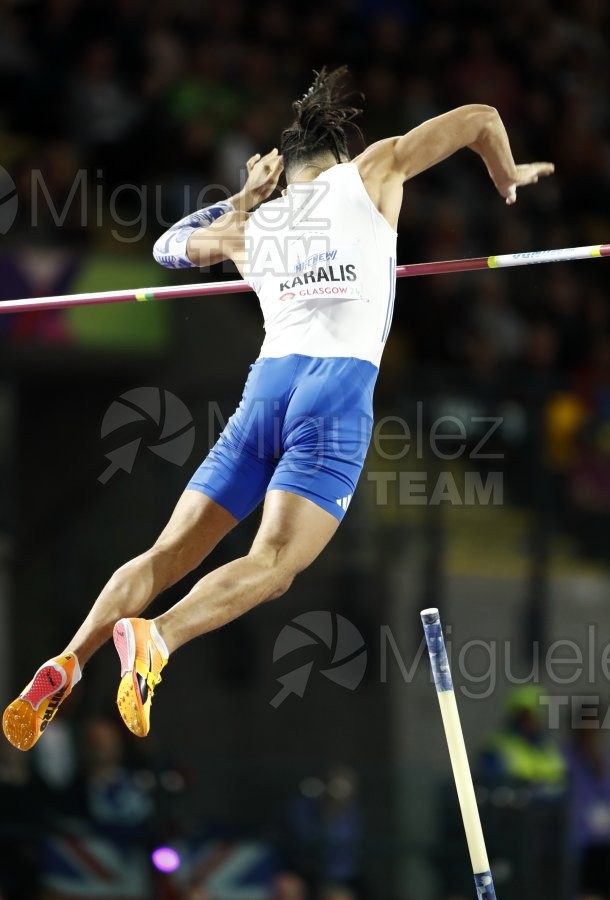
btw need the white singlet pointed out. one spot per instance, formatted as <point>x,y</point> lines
<point>322,260</point>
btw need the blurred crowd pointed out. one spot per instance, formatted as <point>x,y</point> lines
<point>118,116</point>
<point>88,814</point>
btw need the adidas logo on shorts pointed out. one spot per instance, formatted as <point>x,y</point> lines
<point>344,502</point>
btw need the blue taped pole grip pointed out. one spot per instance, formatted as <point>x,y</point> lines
<point>485,886</point>
<point>436,648</point>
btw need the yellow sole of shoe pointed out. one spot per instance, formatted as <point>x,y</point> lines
<point>129,707</point>
<point>20,725</point>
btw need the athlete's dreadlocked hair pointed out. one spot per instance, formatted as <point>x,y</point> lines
<point>320,119</point>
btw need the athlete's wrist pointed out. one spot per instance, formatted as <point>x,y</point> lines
<point>244,201</point>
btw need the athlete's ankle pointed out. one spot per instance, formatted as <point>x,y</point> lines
<point>158,638</point>
<point>77,672</point>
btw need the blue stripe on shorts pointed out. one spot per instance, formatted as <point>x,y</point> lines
<point>303,425</point>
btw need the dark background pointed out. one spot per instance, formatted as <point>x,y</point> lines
<point>114,117</point>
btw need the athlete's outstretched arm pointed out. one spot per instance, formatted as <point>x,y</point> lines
<point>214,233</point>
<point>476,126</point>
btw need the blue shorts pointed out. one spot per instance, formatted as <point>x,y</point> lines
<point>303,425</point>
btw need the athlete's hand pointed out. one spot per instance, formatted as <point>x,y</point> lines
<point>263,174</point>
<point>529,173</point>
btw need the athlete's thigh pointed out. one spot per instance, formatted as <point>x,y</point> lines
<point>196,525</point>
<point>293,529</point>
<point>326,432</point>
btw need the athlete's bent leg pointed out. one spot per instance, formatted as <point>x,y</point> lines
<point>195,527</point>
<point>293,532</point>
